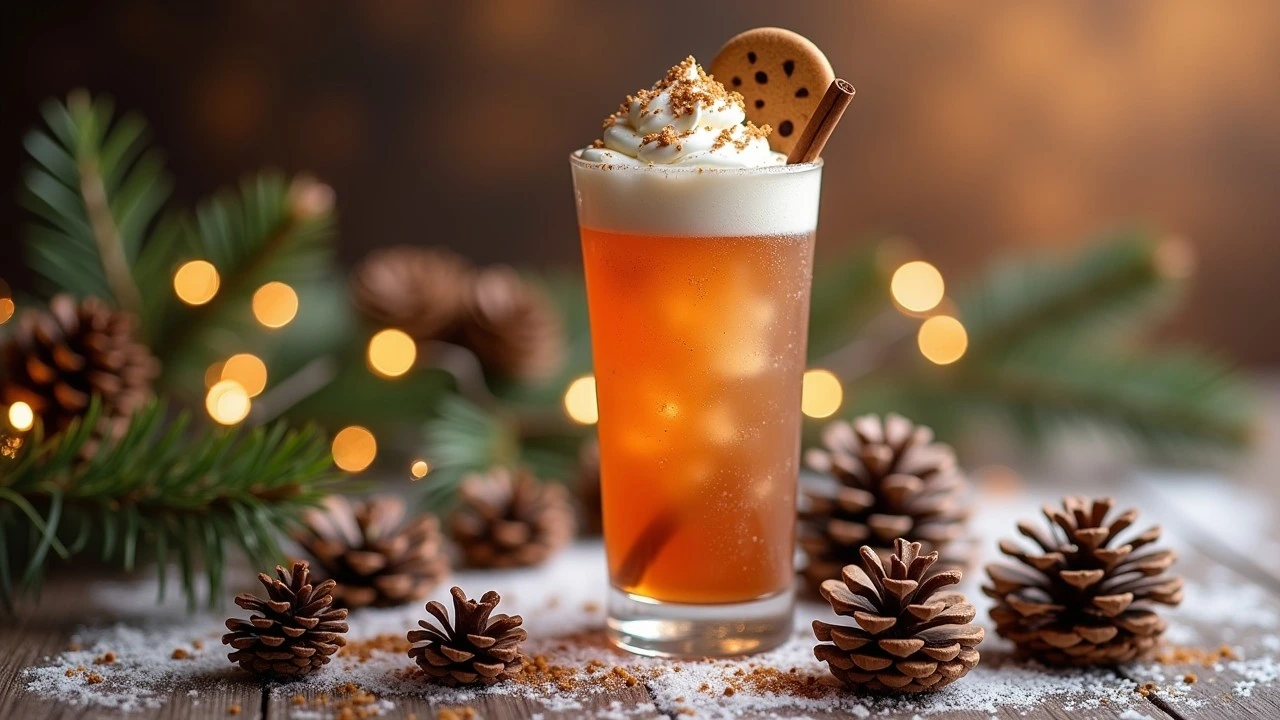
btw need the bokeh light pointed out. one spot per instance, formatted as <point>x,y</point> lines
<point>354,448</point>
<point>580,401</point>
<point>196,282</point>
<point>917,286</point>
<point>392,353</point>
<point>942,339</point>
<point>822,394</point>
<point>21,416</point>
<point>227,402</point>
<point>248,370</point>
<point>419,469</point>
<point>275,304</point>
<point>6,303</point>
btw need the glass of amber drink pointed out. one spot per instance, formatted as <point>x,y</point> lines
<point>698,291</point>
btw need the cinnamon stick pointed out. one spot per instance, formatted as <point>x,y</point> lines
<point>818,130</point>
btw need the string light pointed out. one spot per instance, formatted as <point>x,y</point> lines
<point>821,394</point>
<point>392,353</point>
<point>419,469</point>
<point>917,286</point>
<point>227,402</point>
<point>196,282</point>
<point>248,370</point>
<point>21,416</point>
<point>275,304</point>
<point>580,401</point>
<point>6,303</point>
<point>942,339</point>
<point>354,448</point>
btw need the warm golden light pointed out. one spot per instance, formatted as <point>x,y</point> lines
<point>580,401</point>
<point>419,469</point>
<point>392,353</point>
<point>917,286</point>
<point>942,339</point>
<point>821,394</point>
<point>196,282</point>
<point>6,310</point>
<point>248,370</point>
<point>275,304</point>
<point>227,402</point>
<point>21,417</point>
<point>354,448</point>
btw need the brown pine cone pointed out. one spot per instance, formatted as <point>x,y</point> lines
<point>478,649</point>
<point>422,291</point>
<point>507,519</point>
<point>513,327</point>
<point>376,558</point>
<point>291,633</point>
<point>1083,597</point>
<point>589,497</point>
<point>906,636</point>
<point>891,481</point>
<point>56,361</point>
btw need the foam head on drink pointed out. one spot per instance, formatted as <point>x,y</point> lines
<point>698,247</point>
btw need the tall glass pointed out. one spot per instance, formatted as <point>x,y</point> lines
<point>698,292</point>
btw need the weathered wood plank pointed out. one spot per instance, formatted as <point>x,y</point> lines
<point>1214,696</point>
<point>285,702</point>
<point>44,628</point>
<point>1224,607</point>
<point>1199,683</point>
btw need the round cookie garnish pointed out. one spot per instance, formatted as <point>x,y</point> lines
<point>781,75</point>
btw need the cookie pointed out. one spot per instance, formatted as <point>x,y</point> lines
<point>781,75</point>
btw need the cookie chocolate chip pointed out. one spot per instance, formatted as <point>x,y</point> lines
<point>781,75</point>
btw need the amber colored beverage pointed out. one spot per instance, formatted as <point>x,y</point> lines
<point>699,347</point>
<point>698,291</point>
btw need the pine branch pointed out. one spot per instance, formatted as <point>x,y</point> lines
<point>460,440</point>
<point>1044,354</point>
<point>266,231</point>
<point>1116,284</point>
<point>1170,402</point>
<point>160,491</point>
<point>96,190</point>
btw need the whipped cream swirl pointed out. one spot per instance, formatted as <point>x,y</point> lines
<point>686,119</point>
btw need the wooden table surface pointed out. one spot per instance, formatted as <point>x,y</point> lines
<point>1223,525</point>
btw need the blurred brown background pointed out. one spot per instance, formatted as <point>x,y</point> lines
<point>978,127</point>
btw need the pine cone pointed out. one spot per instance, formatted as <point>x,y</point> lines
<point>374,556</point>
<point>422,291</point>
<point>56,361</point>
<point>507,519</point>
<point>513,327</point>
<point>1084,597</point>
<point>906,636</point>
<point>589,491</point>
<point>291,633</point>
<point>892,481</point>
<point>478,649</point>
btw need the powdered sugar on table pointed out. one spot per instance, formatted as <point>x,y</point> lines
<point>169,653</point>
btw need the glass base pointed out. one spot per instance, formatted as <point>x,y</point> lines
<point>661,629</point>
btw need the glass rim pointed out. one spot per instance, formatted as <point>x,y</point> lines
<point>576,161</point>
